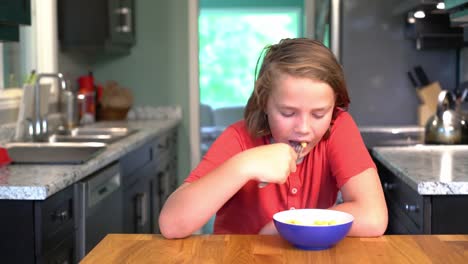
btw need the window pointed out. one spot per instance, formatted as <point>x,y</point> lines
<point>231,39</point>
<point>12,75</point>
<point>18,59</point>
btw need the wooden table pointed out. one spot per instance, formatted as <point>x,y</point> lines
<point>118,248</point>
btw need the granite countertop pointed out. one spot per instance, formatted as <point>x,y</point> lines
<point>428,169</point>
<point>37,182</point>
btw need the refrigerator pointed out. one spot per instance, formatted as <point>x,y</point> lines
<point>368,38</point>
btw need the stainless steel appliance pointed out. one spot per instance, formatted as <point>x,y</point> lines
<point>446,126</point>
<point>98,208</point>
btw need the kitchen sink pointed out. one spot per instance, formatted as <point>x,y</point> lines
<point>104,135</point>
<point>53,152</point>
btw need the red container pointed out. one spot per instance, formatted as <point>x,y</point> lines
<point>87,97</point>
<point>4,158</point>
<point>86,83</point>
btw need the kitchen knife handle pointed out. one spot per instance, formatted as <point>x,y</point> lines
<point>412,80</point>
<point>421,74</point>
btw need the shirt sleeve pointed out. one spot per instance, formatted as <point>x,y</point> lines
<point>228,144</point>
<point>348,155</point>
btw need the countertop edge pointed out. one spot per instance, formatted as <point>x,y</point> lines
<point>69,174</point>
<point>422,187</point>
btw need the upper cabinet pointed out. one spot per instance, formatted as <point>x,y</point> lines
<point>13,13</point>
<point>96,27</point>
<point>428,23</point>
<point>458,11</point>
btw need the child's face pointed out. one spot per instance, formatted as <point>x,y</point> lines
<point>300,110</point>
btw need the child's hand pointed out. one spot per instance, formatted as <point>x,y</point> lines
<point>268,229</point>
<point>270,163</point>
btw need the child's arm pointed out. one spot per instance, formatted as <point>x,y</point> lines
<point>192,204</point>
<point>363,198</point>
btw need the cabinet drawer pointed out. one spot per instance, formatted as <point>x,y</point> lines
<point>63,253</point>
<point>165,144</point>
<point>403,197</point>
<point>54,219</point>
<point>399,221</point>
<point>135,160</point>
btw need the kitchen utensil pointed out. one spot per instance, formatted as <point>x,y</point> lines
<point>412,80</point>
<point>313,229</point>
<point>429,94</point>
<point>298,149</point>
<point>446,126</point>
<point>421,75</point>
<point>415,84</point>
<point>424,113</point>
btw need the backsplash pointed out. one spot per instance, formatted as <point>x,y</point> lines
<point>464,64</point>
<point>8,115</point>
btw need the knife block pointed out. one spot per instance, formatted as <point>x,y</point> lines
<point>424,112</point>
<point>429,96</point>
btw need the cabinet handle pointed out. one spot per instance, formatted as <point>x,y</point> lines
<point>141,212</point>
<point>388,186</point>
<point>61,216</point>
<point>126,12</point>
<point>411,208</point>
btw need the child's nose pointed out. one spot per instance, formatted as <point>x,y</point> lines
<point>303,124</point>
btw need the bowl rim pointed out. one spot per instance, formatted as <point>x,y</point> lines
<point>349,217</point>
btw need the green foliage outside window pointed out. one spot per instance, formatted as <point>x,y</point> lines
<point>230,44</point>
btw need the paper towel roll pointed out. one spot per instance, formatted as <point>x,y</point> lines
<point>27,108</point>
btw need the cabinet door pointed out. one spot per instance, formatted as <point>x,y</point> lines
<point>137,205</point>
<point>15,12</point>
<point>17,232</point>
<point>9,33</point>
<point>406,206</point>
<point>155,205</point>
<point>63,253</point>
<point>54,220</point>
<point>122,21</point>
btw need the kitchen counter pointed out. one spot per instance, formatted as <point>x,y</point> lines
<point>145,248</point>
<point>38,182</point>
<point>428,169</point>
<point>377,136</point>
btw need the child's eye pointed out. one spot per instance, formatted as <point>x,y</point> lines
<point>287,114</point>
<point>318,116</point>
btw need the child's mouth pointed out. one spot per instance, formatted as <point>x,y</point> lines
<point>298,147</point>
<point>297,144</point>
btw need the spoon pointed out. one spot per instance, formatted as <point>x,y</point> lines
<point>298,148</point>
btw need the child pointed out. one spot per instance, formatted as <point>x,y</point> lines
<point>299,98</point>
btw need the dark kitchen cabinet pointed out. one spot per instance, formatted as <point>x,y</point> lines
<point>137,207</point>
<point>13,13</point>
<point>9,33</point>
<point>137,170</point>
<point>149,176</point>
<point>38,231</point>
<point>96,27</point>
<point>166,147</point>
<point>412,213</point>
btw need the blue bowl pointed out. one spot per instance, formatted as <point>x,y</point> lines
<point>313,229</point>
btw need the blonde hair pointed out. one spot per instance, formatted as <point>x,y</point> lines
<point>298,57</point>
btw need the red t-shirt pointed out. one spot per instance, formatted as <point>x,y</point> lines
<point>315,183</point>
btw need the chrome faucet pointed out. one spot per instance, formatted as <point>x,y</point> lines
<point>38,126</point>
